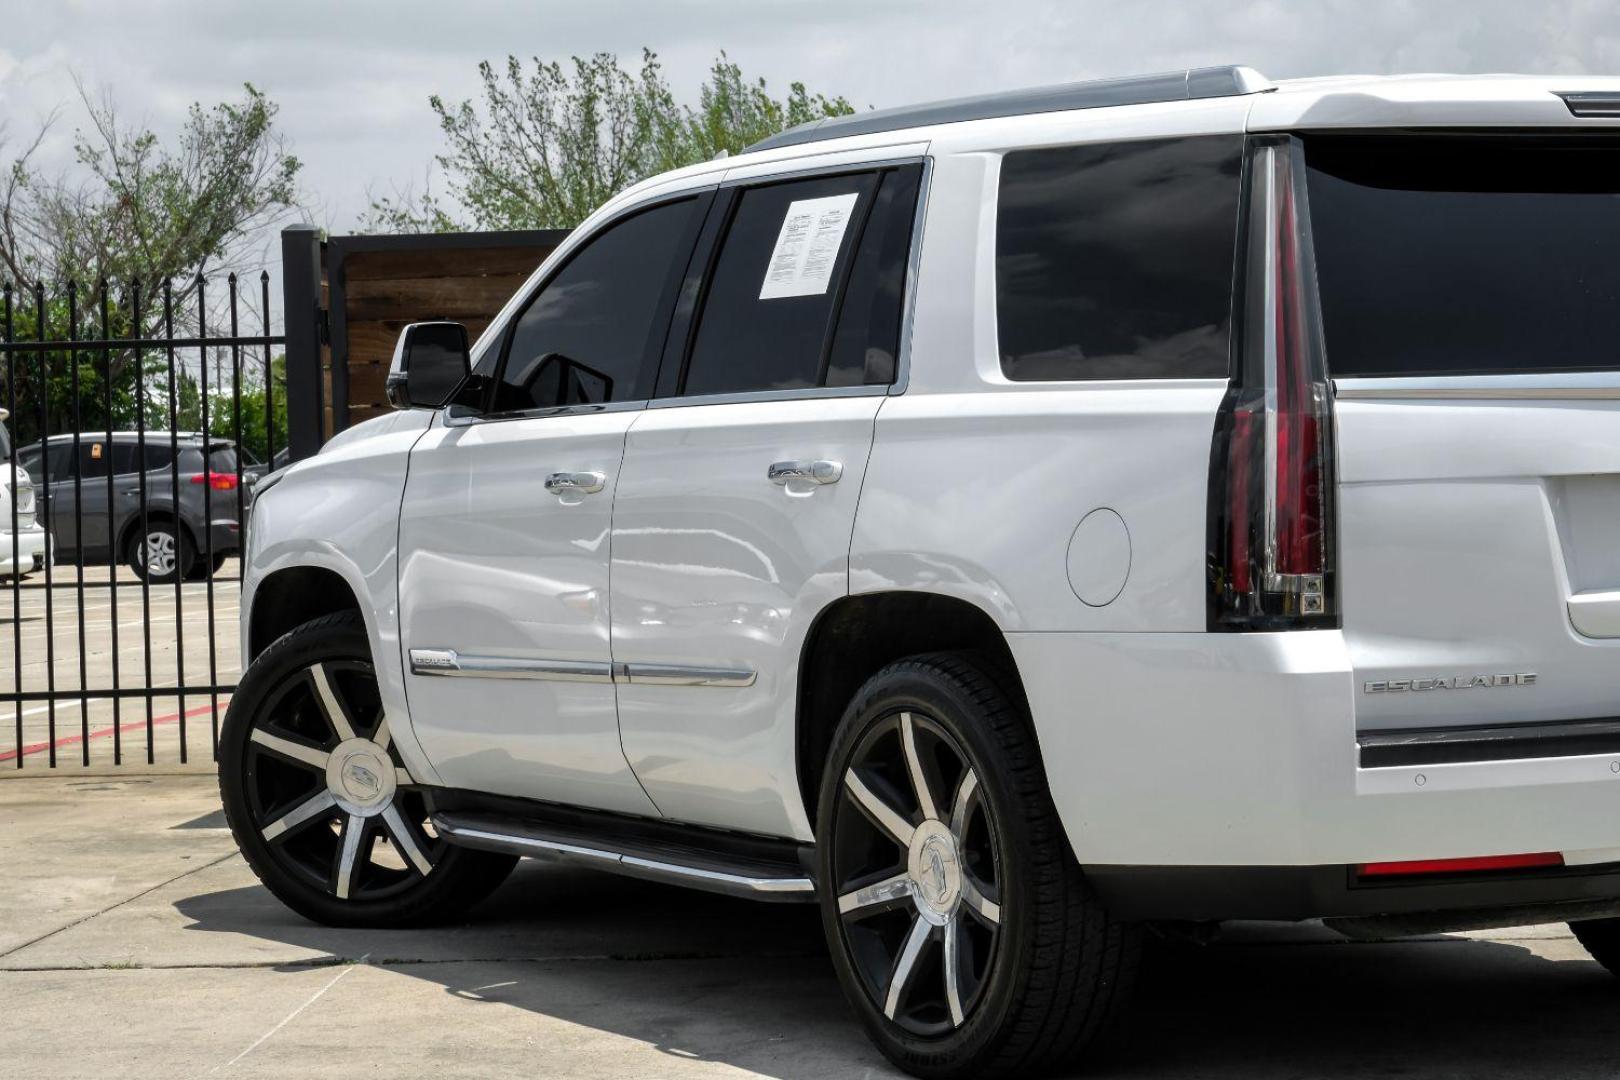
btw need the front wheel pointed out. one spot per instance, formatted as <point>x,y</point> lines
<point>962,930</point>
<point>318,800</point>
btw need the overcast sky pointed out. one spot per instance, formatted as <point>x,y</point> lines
<point>352,78</point>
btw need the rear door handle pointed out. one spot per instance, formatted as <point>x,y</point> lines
<point>811,472</point>
<point>575,483</point>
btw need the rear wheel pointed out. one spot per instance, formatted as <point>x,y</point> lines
<point>318,800</point>
<point>160,554</point>
<point>1601,938</point>
<point>203,568</point>
<point>960,925</point>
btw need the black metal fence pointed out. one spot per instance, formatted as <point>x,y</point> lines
<point>140,426</point>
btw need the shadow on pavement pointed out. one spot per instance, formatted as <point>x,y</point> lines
<point>744,983</point>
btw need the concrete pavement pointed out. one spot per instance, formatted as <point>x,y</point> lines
<point>135,943</point>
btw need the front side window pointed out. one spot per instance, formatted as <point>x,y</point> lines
<point>1115,260</point>
<point>806,291</point>
<point>587,336</point>
<point>58,465</point>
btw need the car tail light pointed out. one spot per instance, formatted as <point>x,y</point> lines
<point>1272,494</point>
<point>219,481</point>
<point>1484,865</point>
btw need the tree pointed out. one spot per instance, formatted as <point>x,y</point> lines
<point>550,144</point>
<point>140,211</point>
<point>137,213</point>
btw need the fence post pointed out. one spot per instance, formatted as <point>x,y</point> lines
<point>301,308</point>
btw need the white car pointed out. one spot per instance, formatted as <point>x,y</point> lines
<point>22,538</point>
<point>1009,523</point>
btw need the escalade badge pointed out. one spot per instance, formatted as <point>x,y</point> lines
<point>1443,682</point>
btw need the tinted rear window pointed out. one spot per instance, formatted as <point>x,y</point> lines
<point>1451,255</point>
<point>1114,260</point>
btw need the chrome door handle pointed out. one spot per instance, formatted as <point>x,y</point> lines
<point>812,472</point>
<point>575,483</point>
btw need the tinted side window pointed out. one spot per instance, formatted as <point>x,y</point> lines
<point>585,337</point>
<point>124,459</point>
<point>93,459</point>
<point>60,461</point>
<point>771,297</point>
<point>866,345</point>
<point>156,455</point>
<point>1114,261</point>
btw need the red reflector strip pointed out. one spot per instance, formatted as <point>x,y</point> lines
<point>1481,865</point>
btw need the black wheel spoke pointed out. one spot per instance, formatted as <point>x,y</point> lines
<point>327,791</point>
<point>290,749</point>
<point>921,934</point>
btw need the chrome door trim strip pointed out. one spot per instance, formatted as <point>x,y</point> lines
<point>683,675</point>
<point>532,845</point>
<point>450,663</point>
<point>1567,386</point>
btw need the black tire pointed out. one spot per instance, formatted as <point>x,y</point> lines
<point>325,864</point>
<point>202,568</point>
<point>1038,986</point>
<point>179,553</point>
<point>1601,938</point>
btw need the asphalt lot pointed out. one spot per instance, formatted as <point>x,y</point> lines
<point>96,733</point>
<point>135,943</point>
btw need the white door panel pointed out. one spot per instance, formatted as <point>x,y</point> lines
<point>514,579</point>
<point>719,571</point>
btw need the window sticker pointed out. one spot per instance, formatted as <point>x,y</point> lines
<point>807,247</point>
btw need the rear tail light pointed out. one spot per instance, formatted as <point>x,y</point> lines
<point>216,480</point>
<point>1272,495</point>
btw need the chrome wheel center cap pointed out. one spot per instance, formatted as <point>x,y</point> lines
<point>360,775</point>
<point>935,868</point>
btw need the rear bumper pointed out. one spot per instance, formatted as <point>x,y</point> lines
<point>225,536</point>
<point>30,551</point>
<point>1239,751</point>
<point>1457,902</point>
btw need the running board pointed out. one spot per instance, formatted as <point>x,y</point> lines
<point>698,861</point>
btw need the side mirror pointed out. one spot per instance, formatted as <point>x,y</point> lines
<point>429,362</point>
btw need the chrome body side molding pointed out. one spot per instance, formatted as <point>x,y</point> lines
<point>750,881</point>
<point>1557,386</point>
<point>448,662</point>
<point>683,675</point>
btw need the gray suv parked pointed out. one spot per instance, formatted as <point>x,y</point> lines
<point>186,531</point>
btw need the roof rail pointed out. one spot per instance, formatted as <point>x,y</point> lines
<point>1206,82</point>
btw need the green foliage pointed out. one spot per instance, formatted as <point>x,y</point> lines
<point>223,414</point>
<point>550,143</point>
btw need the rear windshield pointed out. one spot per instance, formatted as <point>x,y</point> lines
<point>1457,255</point>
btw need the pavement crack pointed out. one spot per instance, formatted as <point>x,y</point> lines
<point>115,906</point>
<point>290,1017</point>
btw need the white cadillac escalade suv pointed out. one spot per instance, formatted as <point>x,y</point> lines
<point>1008,523</point>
